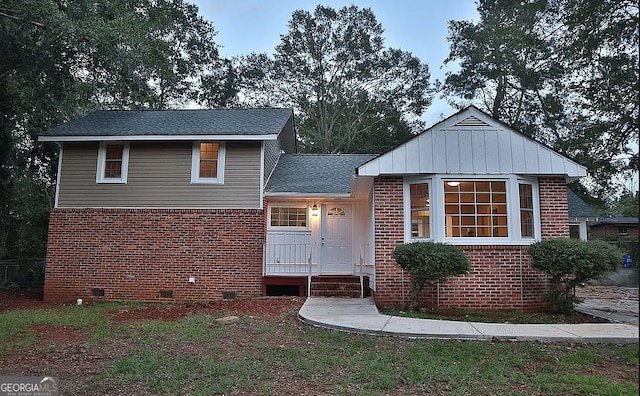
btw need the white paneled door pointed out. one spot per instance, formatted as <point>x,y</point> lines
<point>336,254</point>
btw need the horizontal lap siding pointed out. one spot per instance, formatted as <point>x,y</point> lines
<point>160,176</point>
<point>133,254</point>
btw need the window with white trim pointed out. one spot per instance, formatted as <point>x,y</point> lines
<point>207,162</point>
<point>475,209</point>
<point>480,210</point>
<point>288,217</point>
<point>419,202</point>
<point>525,191</point>
<point>113,162</point>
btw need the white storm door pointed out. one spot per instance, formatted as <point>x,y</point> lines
<point>336,239</point>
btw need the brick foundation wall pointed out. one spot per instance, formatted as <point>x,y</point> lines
<point>500,275</point>
<point>133,254</point>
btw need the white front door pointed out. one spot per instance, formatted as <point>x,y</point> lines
<point>336,254</point>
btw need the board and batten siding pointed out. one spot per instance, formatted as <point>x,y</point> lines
<point>160,176</point>
<point>472,143</point>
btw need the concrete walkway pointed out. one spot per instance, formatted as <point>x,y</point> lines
<point>361,316</point>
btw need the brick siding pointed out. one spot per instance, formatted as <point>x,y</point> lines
<point>612,232</point>
<point>500,275</point>
<point>133,254</point>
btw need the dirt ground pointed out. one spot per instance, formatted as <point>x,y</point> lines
<point>621,298</point>
<point>65,349</point>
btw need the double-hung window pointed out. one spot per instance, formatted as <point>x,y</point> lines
<point>207,162</point>
<point>419,203</point>
<point>113,162</point>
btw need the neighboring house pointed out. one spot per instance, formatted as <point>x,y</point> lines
<point>210,204</point>
<point>615,228</point>
<point>580,214</point>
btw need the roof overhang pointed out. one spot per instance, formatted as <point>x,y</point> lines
<point>121,138</point>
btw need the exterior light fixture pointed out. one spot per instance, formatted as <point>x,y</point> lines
<point>314,210</point>
<point>453,183</point>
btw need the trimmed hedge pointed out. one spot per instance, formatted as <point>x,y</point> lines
<point>429,261</point>
<point>571,262</point>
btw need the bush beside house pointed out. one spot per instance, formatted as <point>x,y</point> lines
<point>570,262</point>
<point>429,261</point>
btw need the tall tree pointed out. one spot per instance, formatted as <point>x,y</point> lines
<point>508,66</point>
<point>347,88</point>
<point>61,59</point>
<point>562,71</point>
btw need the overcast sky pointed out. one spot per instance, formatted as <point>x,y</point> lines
<point>417,26</point>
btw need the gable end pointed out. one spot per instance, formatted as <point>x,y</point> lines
<point>472,121</point>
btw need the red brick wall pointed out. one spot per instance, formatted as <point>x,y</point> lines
<point>391,282</point>
<point>554,207</point>
<point>500,276</point>
<point>132,254</point>
<point>602,231</point>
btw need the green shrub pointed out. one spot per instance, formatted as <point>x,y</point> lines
<point>429,261</point>
<point>570,262</point>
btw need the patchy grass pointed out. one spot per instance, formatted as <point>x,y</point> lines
<point>196,355</point>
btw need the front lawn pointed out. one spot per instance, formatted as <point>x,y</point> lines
<point>131,349</point>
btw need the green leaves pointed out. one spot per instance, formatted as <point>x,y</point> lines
<point>350,92</point>
<point>429,261</point>
<point>564,72</point>
<point>570,262</point>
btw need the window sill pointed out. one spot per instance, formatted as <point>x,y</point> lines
<point>111,181</point>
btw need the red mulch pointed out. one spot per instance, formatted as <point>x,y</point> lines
<point>59,334</point>
<point>264,306</point>
<point>21,299</point>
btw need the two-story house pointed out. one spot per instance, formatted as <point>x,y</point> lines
<point>184,205</point>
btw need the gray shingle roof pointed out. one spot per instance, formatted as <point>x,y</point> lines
<point>577,207</point>
<point>176,122</point>
<point>617,220</point>
<point>315,173</point>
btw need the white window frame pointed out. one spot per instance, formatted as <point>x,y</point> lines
<point>195,164</point>
<point>102,158</point>
<point>408,237</point>
<point>436,215</point>
<point>289,228</point>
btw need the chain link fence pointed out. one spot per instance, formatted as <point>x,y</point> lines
<point>22,273</point>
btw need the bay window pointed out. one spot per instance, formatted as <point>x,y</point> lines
<point>482,210</point>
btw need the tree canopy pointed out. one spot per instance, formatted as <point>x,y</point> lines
<point>562,71</point>
<point>351,93</point>
<point>60,60</point>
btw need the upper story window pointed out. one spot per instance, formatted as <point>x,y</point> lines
<point>207,162</point>
<point>482,210</point>
<point>288,217</point>
<point>113,162</point>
